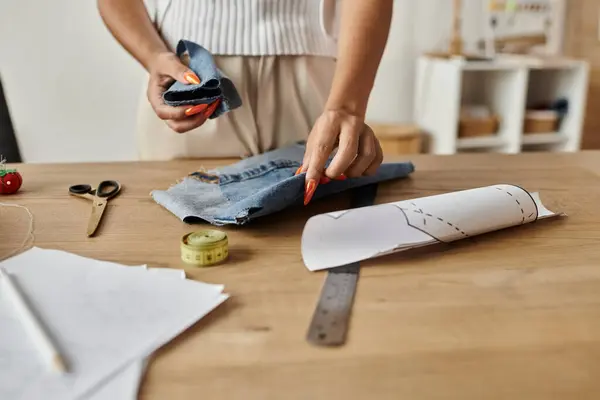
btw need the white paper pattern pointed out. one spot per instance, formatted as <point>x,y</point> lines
<point>343,237</point>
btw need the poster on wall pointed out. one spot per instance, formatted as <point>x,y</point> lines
<point>523,27</point>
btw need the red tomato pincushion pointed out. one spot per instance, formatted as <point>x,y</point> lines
<point>10,181</point>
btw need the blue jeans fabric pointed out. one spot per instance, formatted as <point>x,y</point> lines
<point>255,187</point>
<point>213,82</point>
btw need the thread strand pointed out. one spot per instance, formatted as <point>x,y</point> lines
<point>29,235</point>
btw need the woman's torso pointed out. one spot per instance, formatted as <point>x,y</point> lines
<point>249,27</point>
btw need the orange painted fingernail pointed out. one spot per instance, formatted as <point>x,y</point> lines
<point>299,170</point>
<point>342,177</point>
<point>195,109</point>
<point>324,180</point>
<point>311,186</point>
<point>211,109</point>
<point>192,78</point>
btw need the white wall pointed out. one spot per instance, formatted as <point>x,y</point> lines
<point>418,26</point>
<point>73,91</point>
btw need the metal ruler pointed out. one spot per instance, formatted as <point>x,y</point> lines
<point>329,325</point>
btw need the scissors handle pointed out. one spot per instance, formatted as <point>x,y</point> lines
<point>108,189</point>
<point>80,189</point>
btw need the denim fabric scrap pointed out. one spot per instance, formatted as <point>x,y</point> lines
<point>255,187</point>
<point>214,84</point>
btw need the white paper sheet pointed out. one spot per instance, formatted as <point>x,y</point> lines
<point>124,384</point>
<point>343,237</point>
<point>103,317</point>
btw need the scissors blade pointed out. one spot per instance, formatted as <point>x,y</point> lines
<point>98,207</point>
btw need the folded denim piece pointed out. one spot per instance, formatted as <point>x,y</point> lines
<point>214,84</point>
<point>255,187</point>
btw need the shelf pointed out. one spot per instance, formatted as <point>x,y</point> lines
<point>507,87</point>
<point>540,62</point>
<point>480,142</point>
<point>543,138</point>
<point>465,64</point>
<point>487,66</point>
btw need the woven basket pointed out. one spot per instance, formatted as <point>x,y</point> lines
<point>474,127</point>
<point>540,122</point>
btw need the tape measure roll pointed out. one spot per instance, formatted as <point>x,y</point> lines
<point>204,248</point>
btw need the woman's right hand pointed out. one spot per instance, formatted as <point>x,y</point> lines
<point>165,69</point>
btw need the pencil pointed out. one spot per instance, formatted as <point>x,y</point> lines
<point>32,324</point>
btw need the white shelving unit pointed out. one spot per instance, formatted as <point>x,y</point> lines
<point>508,86</point>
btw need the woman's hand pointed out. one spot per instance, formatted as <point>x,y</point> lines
<point>165,68</point>
<point>358,150</point>
<point>130,24</point>
<point>364,27</point>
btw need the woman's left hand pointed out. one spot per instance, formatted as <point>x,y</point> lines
<point>359,152</point>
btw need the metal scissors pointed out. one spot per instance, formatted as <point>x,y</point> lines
<point>99,196</point>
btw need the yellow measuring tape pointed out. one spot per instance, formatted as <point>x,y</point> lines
<point>204,248</point>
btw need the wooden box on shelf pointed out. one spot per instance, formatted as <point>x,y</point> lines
<point>399,139</point>
<point>477,126</point>
<point>540,121</point>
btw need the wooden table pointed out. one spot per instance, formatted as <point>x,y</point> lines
<point>508,315</point>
